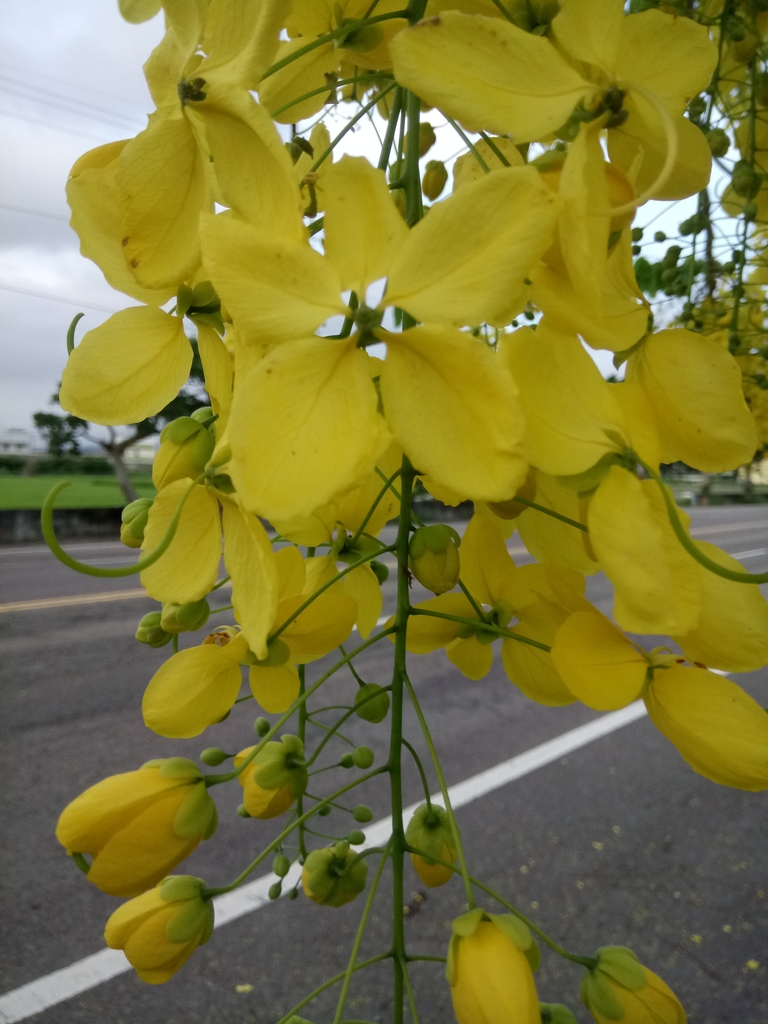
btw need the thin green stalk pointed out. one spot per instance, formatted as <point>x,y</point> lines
<point>375,505</point>
<point>332,981</point>
<point>376,77</point>
<point>409,988</point>
<point>422,773</point>
<point>325,586</point>
<point>214,780</point>
<point>690,545</point>
<point>551,512</point>
<point>465,138</point>
<point>444,790</point>
<point>333,729</point>
<point>341,31</point>
<point>224,608</point>
<point>411,179</point>
<point>302,734</point>
<point>478,610</point>
<point>487,626</point>
<point>353,670</point>
<point>495,149</point>
<point>414,517</point>
<point>396,737</point>
<point>351,124</point>
<point>389,135</point>
<point>221,583</point>
<point>436,959</point>
<point>71,332</point>
<point>359,937</point>
<point>175,643</point>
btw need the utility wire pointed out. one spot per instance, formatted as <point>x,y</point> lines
<point>34,213</point>
<point>56,298</point>
<point>51,95</point>
<point>55,127</point>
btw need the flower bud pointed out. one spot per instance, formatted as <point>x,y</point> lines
<point>274,780</point>
<point>185,618</point>
<point>139,825</point>
<point>718,140</point>
<point>427,138</point>
<point>334,875</point>
<point>281,865</point>
<point>346,761</point>
<point>620,988</point>
<point>261,727</point>
<point>556,1013</point>
<point>149,631</point>
<point>489,970</point>
<point>362,814</point>
<point>186,445</point>
<point>134,519</point>
<point>356,837</point>
<point>380,571</point>
<point>429,830</point>
<point>275,890</point>
<point>745,181</point>
<point>372,703</point>
<point>362,757</point>
<point>434,180</point>
<point>160,930</point>
<point>214,756</point>
<point>433,557</point>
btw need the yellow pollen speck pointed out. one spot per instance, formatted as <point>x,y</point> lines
<point>696,939</point>
<point>524,869</point>
<point>579,885</point>
<point>534,904</point>
<point>243,988</point>
<point>597,846</point>
<point>727,928</point>
<point>751,965</point>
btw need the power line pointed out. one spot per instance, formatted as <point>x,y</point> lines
<point>55,127</point>
<point>58,96</point>
<point>56,298</point>
<point>113,122</point>
<point>34,213</point>
<point>71,85</point>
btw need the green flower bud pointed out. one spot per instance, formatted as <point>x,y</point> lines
<point>325,809</point>
<point>371,703</point>
<point>398,197</point>
<point>185,618</point>
<point>292,894</point>
<point>261,727</point>
<point>362,757</point>
<point>745,180</point>
<point>275,890</point>
<point>427,138</point>
<point>281,865</point>
<point>346,761</point>
<point>659,236</point>
<point>356,837</point>
<point>718,140</point>
<point>186,445</point>
<point>149,631</point>
<point>429,830</point>
<point>433,557</point>
<point>555,1013</point>
<point>362,814</point>
<point>380,571</point>
<point>637,234</point>
<point>134,520</point>
<point>213,756</point>
<point>618,987</point>
<point>242,811</point>
<point>334,875</point>
<point>282,765</point>
<point>434,180</point>
<point>278,654</point>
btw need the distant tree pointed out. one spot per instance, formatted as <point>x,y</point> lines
<point>64,434</point>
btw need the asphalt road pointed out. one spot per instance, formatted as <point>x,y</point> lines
<point>617,843</point>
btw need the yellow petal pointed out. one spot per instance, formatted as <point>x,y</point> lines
<point>302,75</point>
<point>353,506</point>
<point>467,261</point>
<point>486,565</point>
<point>720,731</point>
<point>732,630</point>
<point>551,540</point>
<point>311,530</point>
<point>590,30</point>
<point>92,197</point>
<point>304,425</point>
<point>656,581</point>
<point>275,687</point>
<point>597,662</point>
<point>128,368</point>
<point>472,659</point>
<point>193,689</point>
<point>488,74</point>
<point>291,572</point>
<point>694,387</point>
<point>567,405</point>
<point>363,587</point>
<point>251,563</point>
<point>454,410</point>
<point>162,191</point>
<point>323,625</point>
<point>532,670</point>
<point>428,633</point>
<point>218,372</point>
<point>467,168</point>
<point>189,567</point>
<point>241,39</point>
<point>364,231</point>
<point>275,289</point>
<point>251,169</point>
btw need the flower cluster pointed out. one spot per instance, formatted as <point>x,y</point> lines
<point>358,341</point>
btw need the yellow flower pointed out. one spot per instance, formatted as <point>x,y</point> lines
<point>640,70</point>
<point>274,780</point>
<point>311,401</point>
<point>160,930</point>
<point>433,557</point>
<point>489,970</point>
<point>429,830</point>
<point>334,875</point>
<point>139,825</point>
<point>620,988</point>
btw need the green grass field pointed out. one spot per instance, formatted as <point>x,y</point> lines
<point>18,492</point>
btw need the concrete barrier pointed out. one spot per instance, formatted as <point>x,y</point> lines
<point>22,526</point>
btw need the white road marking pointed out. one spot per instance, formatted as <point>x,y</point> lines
<point>749,554</point>
<point>92,970</point>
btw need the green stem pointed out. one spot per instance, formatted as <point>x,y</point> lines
<point>478,610</point>
<point>221,583</point>
<point>411,178</point>
<point>487,626</point>
<point>495,149</point>
<point>175,643</point>
<point>468,142</point>
<point>215,780</point>
<point>325,586</point>
<point>444,790</point>
<point>71,332</point>
<point>435,959</point>
<point>690,545</point>
<point>389,135</point>
<point>333,729</point>
<point>377,77</point>
<point>359,937</point>
<point>302,732</point>
<point>224,608</point>
<point>551,512</point>
<point>422,773</point>
<point>341,31</point>
<point>409,988</point>
<point>351,124</point>
<point>46,522</point>
<point>332,981</point>
<point>396,737</point>
<point>375,505</point>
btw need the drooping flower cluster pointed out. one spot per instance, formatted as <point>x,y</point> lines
<point>314,440</point>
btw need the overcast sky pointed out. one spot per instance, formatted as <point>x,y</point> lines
<point>70,79</point>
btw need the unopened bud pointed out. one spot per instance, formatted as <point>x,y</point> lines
<point>433,557</point>
<point>356,837</point>
<point>362,814</point>
<point>149,631</point>
<point>325,809</point>
<point>242,811</point>
<point>434,180</point>
<point>261,727</point>
<point>556,1013</point>
<point>346,761</point>
<point>427,138</point>
<point>275,890</point>
<point>718,140</point>
<point>371,703</point>
<point>213,756</point>
<point>333,876</point>
<point>745,180</point>
<point>362,757</point>
<point>281,865</point>
<point>381,572</point>
<point>134,519</point>
<point>185,618</point>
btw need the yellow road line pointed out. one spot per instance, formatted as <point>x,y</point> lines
<point>62,602</point>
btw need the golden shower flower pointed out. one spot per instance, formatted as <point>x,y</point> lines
<point>429,830</point>
<point>620,988</point>
<point>334,875</point>
<point>274,779</point>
